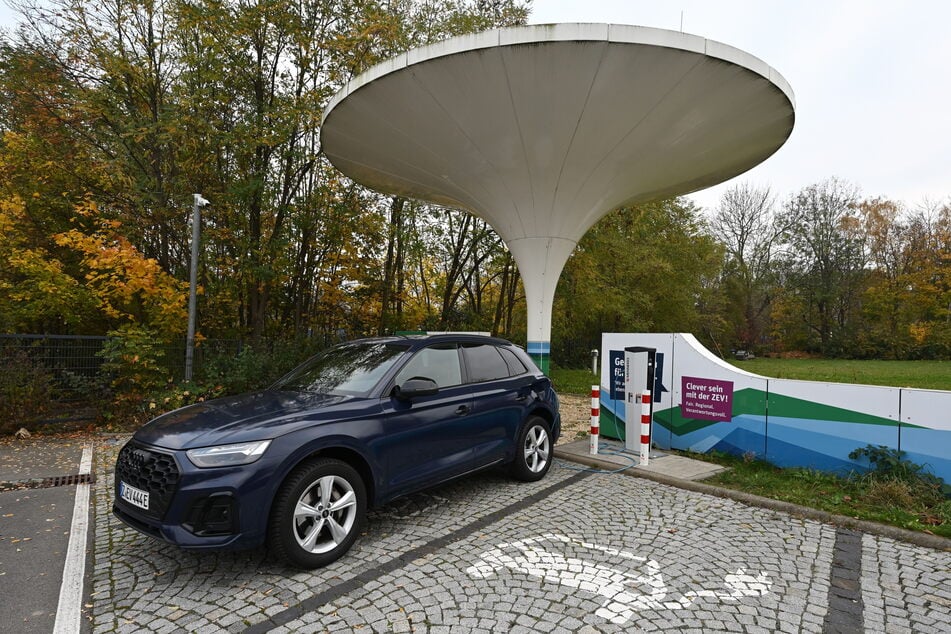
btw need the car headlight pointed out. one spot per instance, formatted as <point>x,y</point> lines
<point>227,455</point>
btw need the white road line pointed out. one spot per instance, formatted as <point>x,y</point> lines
<point>85,463</point>
<point>69,610</point>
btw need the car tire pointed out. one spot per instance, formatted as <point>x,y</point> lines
<point>533,450</point>
<point>318,513</point>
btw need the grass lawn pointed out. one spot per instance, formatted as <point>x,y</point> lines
<point>887,500</point>
<point>572,381</point>
<point>932,375</point>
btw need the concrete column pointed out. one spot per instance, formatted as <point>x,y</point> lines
<point>540,260</point>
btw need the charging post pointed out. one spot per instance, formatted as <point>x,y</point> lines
<point>638,401</point>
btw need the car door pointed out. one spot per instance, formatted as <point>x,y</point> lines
<point>501,391</point>
<point>427,439</point>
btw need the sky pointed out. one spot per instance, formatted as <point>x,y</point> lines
<point>872,80</point>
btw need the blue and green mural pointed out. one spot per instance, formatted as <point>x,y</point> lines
<point>789,423</point>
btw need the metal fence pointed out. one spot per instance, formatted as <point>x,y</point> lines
<point>70,359</point>
<point>54,379</point>
<point>66,361</point>
<point>71,362</point>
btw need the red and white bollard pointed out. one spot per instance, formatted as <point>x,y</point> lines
<point>595,417</point>
<point>645,399</point>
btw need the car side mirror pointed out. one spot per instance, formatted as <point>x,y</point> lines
<point>414,387</point>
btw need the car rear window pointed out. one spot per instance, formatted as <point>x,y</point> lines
<point>516,367</point>
<point>484,363</point>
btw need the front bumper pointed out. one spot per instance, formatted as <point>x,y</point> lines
<point>178,534</point>
<point>222,508</point>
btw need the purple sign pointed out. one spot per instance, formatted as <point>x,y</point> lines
<point>706,399</point>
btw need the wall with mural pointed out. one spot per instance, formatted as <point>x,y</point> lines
<point>702,403</point>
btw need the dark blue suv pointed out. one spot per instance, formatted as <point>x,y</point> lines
<point>295,466</point>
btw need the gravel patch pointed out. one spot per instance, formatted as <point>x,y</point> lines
<point>575,417</point>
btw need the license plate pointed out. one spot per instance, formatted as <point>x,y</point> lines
<point>134,496</point>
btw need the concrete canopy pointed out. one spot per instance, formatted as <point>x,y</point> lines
<point>542,130</point>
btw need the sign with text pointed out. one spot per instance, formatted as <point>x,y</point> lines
<point>706,399</point>
<point>617,375</point>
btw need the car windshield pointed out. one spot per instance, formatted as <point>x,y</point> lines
<point>350,369</point>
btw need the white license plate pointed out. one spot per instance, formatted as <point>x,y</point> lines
<point>134,496</point>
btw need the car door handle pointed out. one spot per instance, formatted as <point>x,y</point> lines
<point>462,410</point>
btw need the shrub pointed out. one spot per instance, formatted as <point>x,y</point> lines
<point>25,387</point>
<point>132,357</point>
<point>887,463</point>
<point>943,511</point>
<point>892,493</point>
<point>893,477</point>
<point>180,395</point>
<point>254,368</point>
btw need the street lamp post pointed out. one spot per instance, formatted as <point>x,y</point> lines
<point>200,202</point>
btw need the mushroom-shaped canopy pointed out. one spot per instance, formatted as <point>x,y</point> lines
<point>542,130</point>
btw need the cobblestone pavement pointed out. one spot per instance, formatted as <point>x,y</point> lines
<point>576,552</point>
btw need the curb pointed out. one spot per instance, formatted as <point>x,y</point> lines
<point>893,532</point>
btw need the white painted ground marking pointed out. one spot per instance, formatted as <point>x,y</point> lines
<point>626,592</point>
<point>69,610</point>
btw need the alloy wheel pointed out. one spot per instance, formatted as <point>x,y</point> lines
<point>325,514</point>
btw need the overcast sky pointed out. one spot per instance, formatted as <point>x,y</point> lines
<point>872,80</point>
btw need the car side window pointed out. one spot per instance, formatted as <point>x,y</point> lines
<point>439,363</point>
<point>516,367</point>
<point>484,362</point>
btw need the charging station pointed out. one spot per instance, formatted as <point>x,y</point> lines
<point>638,399</point>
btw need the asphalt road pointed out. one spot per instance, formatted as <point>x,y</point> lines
<point>34,530</point>
<point>34,534</point>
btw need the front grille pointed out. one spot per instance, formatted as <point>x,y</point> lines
<point>149,471</point>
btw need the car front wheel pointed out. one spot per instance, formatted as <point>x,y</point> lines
<point>318,513</point>
<point>533,453</point>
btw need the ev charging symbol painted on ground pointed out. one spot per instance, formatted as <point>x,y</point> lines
<point>638,586</point>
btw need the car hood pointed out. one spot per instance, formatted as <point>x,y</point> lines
<point>256,416</point>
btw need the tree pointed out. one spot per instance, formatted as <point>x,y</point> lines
<point>37,291</point>
<point>887,299</point>
<point>744,223</point>
<point>824,260</point>
<point>85,279</point>
<point>137,105</point>
<point>639,269</point>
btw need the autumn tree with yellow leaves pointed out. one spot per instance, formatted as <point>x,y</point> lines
<point>113,114</point>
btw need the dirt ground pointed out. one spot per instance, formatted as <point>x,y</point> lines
<point>575,417</point>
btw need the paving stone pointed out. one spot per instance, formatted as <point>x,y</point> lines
<point>608,553</point>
